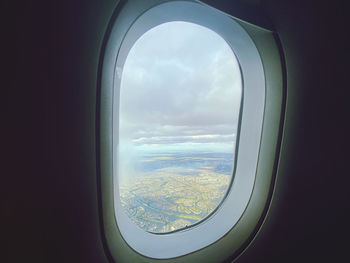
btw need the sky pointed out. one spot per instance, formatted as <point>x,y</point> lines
<point>180,90</point>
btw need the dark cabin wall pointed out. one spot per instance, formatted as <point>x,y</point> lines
<point>49,198</point>
<point>309,213</point>
<point>50,211</point>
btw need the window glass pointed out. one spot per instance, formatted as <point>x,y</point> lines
<point>180,99</point>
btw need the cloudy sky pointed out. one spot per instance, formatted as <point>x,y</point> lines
<point>180,89</point>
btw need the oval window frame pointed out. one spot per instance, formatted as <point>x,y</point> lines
<point>118,232</point>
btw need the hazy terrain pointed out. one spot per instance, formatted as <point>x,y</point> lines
<point>170,191</point>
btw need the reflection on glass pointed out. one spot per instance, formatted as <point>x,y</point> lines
<point>179,106</point>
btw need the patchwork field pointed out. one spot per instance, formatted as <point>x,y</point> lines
<point>174,192</point>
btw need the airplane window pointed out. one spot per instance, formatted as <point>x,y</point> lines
<point>180,98</point>
<point>190,105</point>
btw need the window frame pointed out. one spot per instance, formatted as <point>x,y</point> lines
<point>256,58</point>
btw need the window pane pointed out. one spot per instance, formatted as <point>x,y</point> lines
<point>179,106</point>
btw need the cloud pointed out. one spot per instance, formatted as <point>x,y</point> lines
<point>180,83</point>
<point>207,138</point>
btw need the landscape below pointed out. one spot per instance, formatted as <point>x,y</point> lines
<point>173,191</point>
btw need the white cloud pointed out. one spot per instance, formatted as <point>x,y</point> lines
<point>207,138</point>
<point>180,84</point>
